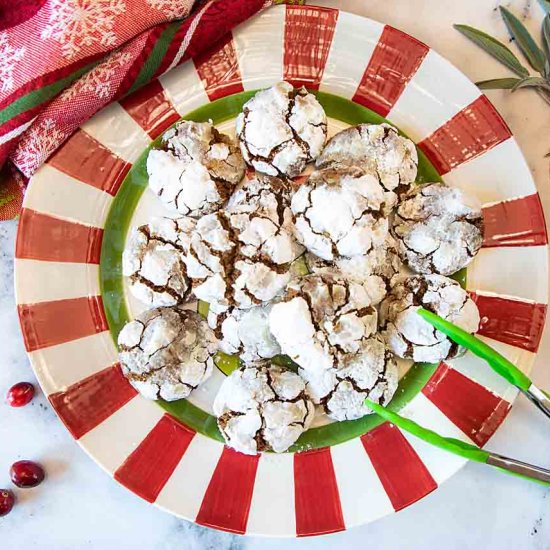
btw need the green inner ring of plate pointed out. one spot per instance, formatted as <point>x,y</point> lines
<point>112,286</point>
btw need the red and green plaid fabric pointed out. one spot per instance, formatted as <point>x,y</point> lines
<point>61,61</point>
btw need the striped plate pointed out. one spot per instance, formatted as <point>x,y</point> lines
<point>67,333</point>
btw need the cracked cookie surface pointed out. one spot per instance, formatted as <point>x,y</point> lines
<point>281,129</point>
<point>259,211</point>
<point>377,148</point>
<point>256,282</point>
<point>375,270</point>
<point>262,407</point>
<point>167,352</point>
<point>241,256</point>
<point>328,327</point>
<point>321,317</point>
<point>196,169</point>
<point>153,260</point>
<point>222,275</point>
<point>408,335</point>
<point>341,213</point>
<point>210,260</point>
<point>438,229</point>
<point>245,332</point>
<point>370,372</point>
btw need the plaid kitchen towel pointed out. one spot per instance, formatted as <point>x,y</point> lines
<point>61,61</point>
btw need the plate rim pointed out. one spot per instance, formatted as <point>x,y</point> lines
<point>27,198</point>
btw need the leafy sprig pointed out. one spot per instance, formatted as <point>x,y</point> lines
<point>538,58</point>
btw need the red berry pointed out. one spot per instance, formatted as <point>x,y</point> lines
<point>20,394</point>
<point>26,473</point>
<point>6,501</point>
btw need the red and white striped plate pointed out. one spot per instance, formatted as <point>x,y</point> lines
<point>323,490</point>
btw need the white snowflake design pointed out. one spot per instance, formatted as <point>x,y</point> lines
<point>9,56</point>
<point>37,145</point>
<point>172,9</point>
<point>79,23</point>
<point>98,80</point>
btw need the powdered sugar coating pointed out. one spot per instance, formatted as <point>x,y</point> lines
<point>375,270</point>
<point>281,129</point>
<point>261,192</point>
<point>370,373</point>
<point>321,317</point>
<point>259,212</point>
<point>439,229</point>
<point>291,324</point>
<point>327,327</point>
<point>239,257</point>
<point>255,282</point>
<point>341,213</point>
<point>245,332</point>
<point>167,352</point>
<point>373,147</point>
<point>382,261</point>
<point>196,170</point>
<point>154,261</point>
<point>210,259</point>
<point>408,335</point>
<point>262,407</point>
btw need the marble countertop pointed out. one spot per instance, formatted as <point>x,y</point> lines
<point>79,506</point>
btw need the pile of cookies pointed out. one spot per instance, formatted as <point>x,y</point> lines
<point>329,272</point>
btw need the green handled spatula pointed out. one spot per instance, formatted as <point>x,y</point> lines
<point>496,361</point>
<point>463,449</point>
<point>507,370</point>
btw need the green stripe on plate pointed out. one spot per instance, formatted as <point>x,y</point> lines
<point>112,287</point>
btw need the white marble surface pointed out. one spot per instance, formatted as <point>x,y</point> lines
<point>79,506</point>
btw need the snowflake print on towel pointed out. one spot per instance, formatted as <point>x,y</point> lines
<point>172,9</point>
<point>9,56</point>
<point>98,80</point>
<point>80,23</point>
<point>37,145</point>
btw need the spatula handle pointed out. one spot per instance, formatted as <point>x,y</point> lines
<point>521,469</point>
<point>539,398</point>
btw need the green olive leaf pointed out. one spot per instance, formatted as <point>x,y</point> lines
<point>546,36</point>
<point>532,82</point>
<point>498,83</point>
<point>526,44</point>
<point>544,93</point>
<point>494,48</point>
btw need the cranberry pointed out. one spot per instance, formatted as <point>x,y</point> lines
<point>20,394</point>
<point>26,473</point>
<point>6,501</point>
